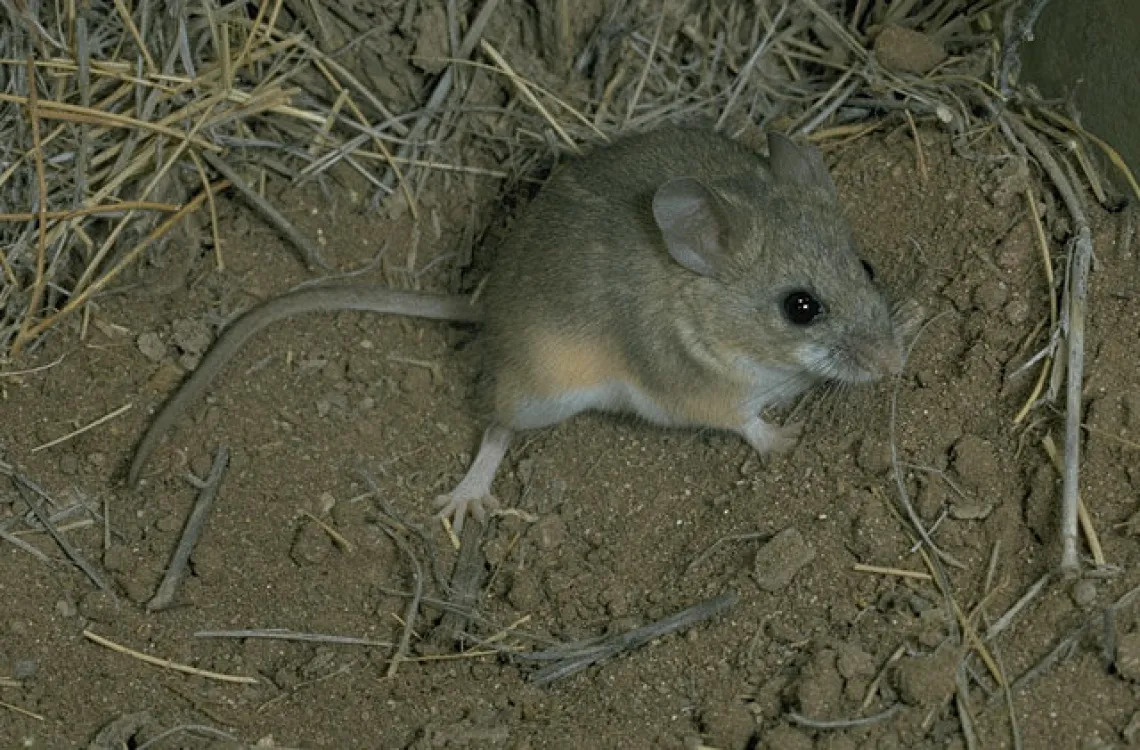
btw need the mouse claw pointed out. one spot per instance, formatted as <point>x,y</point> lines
<point>455,506</point>
<point>770,440</point>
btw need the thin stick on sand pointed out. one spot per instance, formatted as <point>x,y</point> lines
<point>1077,306</point>
<point>164,596</point>
<point>26,489</point>
<point>168,664</point>
<point>574,657</point>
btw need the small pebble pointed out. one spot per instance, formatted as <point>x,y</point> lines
<point>151,346</point>
<point>819,690</point>
<point>66,608</point>
<point>136,588</point>
<point>1083,593</point>
<point>189,361</point>
<point>526,593</point>
<point>324,504</point>
<point>332,401</point>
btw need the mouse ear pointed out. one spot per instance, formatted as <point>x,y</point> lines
<point>691,223</point>
<point>798,165</point>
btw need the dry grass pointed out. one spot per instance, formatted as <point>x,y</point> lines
<point>118,124</point>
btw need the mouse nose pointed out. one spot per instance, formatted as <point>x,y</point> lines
<point>882,358</point>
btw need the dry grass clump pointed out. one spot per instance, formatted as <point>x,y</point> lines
<point>117,123</point>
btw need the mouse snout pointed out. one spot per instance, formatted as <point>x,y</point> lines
<point>880,358</point>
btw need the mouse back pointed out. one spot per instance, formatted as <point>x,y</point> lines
<point>685,255</point>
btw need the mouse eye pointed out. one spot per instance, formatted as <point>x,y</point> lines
<point>801,308</point>
<point>869,269</point>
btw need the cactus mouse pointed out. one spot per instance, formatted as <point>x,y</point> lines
<point>675,274</point>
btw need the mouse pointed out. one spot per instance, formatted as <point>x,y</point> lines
<point>674,274</point>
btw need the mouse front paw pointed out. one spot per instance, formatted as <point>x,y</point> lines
<point>769,439</point>
<point>455,505</point>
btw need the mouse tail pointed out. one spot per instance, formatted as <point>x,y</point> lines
<point>362,297</point>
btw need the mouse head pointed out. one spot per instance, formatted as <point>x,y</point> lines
<point>778,278</point>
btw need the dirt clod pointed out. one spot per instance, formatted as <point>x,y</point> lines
<point>1128,656</point>
<point>778,561</point>
<point>152,346</point>
<point>787,737</point>
<point>819,689</point>
<point>927,679</point>
<point>907,51</point>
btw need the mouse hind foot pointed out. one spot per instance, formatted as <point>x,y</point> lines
<point>473,493</point>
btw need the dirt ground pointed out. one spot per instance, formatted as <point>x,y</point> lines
<point>621,524</point>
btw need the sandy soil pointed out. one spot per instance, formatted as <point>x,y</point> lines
<point>623,523</point>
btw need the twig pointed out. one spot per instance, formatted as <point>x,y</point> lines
<point>742,77</point>
<point>31,550</point>
<point>900,480</point>
<point>1083,515</point>
<point>524,89</point>
<point>22,711</point>
<point>283,634</point>
<point>821,724</point>
<point>466,580</point>
<point>1047,263</point>
<point>338,538</point>
<point>961,703</point>
<point>104,210</point>
<point>1067,645</point>
<point>164,596</point>
<point>1000,624</point>
<point>647,67</point>
<point>199,729</point>
<point>574,657</point>
<point>76,433</point>
<point>23,487</point>
<point>861,568</point>
<point>310,255</point>
<point>167,664</point>
<point>412,609</point>
<point>1077,303</point>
